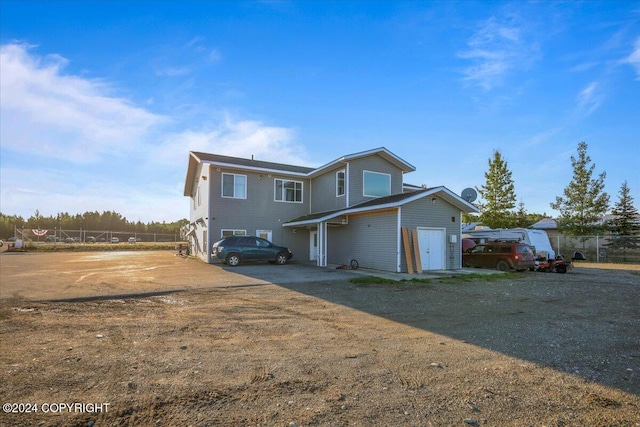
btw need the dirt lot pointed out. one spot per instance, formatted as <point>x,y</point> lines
<point>160,340</point>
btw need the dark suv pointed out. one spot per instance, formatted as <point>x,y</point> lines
<point>504,256</point>
<point>233,250</point>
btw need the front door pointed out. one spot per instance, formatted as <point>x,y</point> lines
<point>431,242</point>
<point>313,245</point>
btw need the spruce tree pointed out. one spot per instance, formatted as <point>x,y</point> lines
<point>625,224</point>
<point>584,202</point>
<point>498,194</point>
<point>521,216</point>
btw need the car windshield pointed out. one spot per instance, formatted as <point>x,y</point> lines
<point>219,242</point>
<point>524,249</point>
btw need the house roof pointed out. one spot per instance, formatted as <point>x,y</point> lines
<point>387,202</point>
<point>250,163</point>
<point>381,151</point>
<point>197,158</point>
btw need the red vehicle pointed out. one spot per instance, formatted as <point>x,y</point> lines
<point>502,255</point>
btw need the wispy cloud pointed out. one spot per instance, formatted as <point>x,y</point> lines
<point>236,137</point>
<point>543,137</point>
<point>47,112</point>
<point>497,48</point>
<point>121,156</point>
<point>589,99</point>
<point>198,44</point>
<point>173,71</point>
<point>634,58</point>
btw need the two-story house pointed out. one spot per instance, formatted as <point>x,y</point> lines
<point>351,208</point>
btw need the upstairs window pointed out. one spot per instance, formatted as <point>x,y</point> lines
<point>376,184</point>
<point>234,186</point>
<point>340,183</point>
<point>288,191</point>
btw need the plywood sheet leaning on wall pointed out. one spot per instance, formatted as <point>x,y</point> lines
<point>407,250</point>
<point>416,250</point>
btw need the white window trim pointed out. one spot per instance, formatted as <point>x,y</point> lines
<point>233,232</point>
<point>246,184</point>
<point>344,183</point>
<point>275,180</point>
<point>364,172</point>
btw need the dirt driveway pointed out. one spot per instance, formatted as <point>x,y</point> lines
<point>78,275</point>
<point>158,347</point>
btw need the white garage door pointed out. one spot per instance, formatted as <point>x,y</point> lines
<point>431,242</point>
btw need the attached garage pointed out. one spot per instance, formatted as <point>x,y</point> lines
<point>371,232</point>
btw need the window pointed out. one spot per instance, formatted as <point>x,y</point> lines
<point>340,183</point>
<point>288,191</point>
<point>227,232</point>
<point>376,184</point>
<point>234,186</point>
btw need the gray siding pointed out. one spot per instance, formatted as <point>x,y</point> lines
<point>371,163</point>
<point>323,194</point>
<point>424,213</point>
<point>198,212</point>
<point>370,239</point>
<point>259,211</point>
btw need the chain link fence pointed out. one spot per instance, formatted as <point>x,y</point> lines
<point>598,248</point>
<point>57,236</point>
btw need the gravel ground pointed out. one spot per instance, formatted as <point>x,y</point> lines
<point>530,349</point>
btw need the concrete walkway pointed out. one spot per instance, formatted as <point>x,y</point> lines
<point>432,274</point>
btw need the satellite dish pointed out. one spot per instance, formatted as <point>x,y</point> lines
<point>469,194</point>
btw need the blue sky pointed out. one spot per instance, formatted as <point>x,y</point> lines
<point>102,101</point>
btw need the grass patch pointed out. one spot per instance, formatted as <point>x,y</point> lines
<point>372,280</point>
<point>375,280</point>
<point>460,278</point>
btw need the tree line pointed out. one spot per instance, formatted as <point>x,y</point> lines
<point>582,206</point>
<point>105,221</point>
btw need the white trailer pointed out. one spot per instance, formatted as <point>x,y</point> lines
<point>537,239</point>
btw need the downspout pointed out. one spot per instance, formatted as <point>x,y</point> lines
<point>310,193</point>
<point>346,179</point>
<point>210,214</point>
<point>209,243</point>
<point>398,239</point>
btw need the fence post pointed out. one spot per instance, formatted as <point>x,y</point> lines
<point>597,248</point>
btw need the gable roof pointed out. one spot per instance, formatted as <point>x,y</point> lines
<point>380,151</point>
<point>197,158</point>
<point>393,201</point>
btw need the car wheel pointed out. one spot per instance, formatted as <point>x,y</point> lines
<point>233,260</point>
<point>503,265</point>
<point>561,269</point>
<point>281,258</point>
